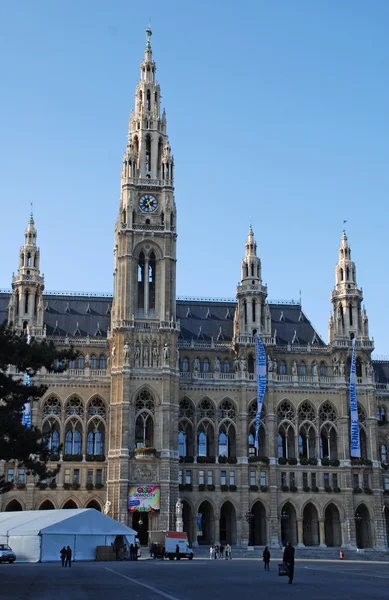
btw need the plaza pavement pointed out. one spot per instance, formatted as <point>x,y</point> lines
<point>195,580</point>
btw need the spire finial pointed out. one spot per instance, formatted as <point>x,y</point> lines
<point>344,226</point>
<point>149,33</point>
<point>31,211</point>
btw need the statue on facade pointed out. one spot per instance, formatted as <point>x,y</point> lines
<point>243,366</point>
<point>107,507</point>
<point>146,355</point>
<point>217,365</point>
<point>87,361</point>
<point>236,364</point>
<point>166,352</point>
<point>155,355</point>
<point>294,368</point>
<point>275,366</point>
<point>137,354</point>
<point>341,368</point>
<point>196,365</point>
<point>179,520</point>
<point>314,369</point>
<point>269,364</point>
<point>126,351</point>
<point>335,366</point>
<point>113,352</point>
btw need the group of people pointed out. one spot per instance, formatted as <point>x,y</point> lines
<point>66,556</point>
<point>218,551</point>
<point>287,559</point>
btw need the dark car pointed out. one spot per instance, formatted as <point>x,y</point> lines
<point>7,554</point>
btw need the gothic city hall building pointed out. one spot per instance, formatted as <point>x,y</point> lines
<point>161,401</point>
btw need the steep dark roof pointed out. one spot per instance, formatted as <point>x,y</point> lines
<point>206,319</point>
<point>200,319</point>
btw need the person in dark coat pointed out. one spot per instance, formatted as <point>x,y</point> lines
<point>63,555</point>
<point>132,552</point>
<point>177,552</point>
<point>288,559</point>
<point>266,558</point>
<point>68,561</point>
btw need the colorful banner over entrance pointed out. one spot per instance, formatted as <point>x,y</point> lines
<point>355,445</point>
<point>145,498</point>
<point>260,357</point>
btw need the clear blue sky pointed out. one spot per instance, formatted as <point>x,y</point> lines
<point>276,111</point>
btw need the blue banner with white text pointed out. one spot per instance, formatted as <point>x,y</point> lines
<point>260,357</point>
<point>355,446</point>
<point>26,418</point>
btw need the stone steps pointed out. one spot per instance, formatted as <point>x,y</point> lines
<point>311,553</point>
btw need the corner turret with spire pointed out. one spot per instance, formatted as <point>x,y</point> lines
<point>25,307</point>
<point>348,318</point>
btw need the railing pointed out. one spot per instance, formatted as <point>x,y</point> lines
<point>204,345</point>
<point>75,373</point>
<point>76,340</point>
<point>382,386</point>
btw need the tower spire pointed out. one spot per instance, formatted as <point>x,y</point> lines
<point>347,298</point>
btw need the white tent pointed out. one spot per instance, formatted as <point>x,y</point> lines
<point>39,535</point>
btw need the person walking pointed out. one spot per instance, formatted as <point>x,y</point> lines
<point>266,558</point>
<point>288,559</point>
<point>177,552</point>
<point>68,561</point>
<point>211,551</point>
<point>221,551</point>
<point>63,555</point>
<point>228,552</point>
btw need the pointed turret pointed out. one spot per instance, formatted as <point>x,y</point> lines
<point>25,306</point>
<point>346,298</point>
<point>253,314</point>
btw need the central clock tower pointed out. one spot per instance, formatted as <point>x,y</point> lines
<point>143,338</point>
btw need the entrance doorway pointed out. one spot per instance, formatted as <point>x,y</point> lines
<point>140,522</point>
<point>288,524</point>
<point>187,520</point>
<point>362,527</point>
<point>227,523</point>
<point>207,524</point>
<point>258,525</point>
<point>310,526</point>
<point>332,528</point>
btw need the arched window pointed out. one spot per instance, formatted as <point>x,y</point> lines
<point>250,363</point>
<point>384,453</point>
<point>29,259</point>
<point>282,367</point>
<point>206,365</point>
<point>72,364</point>
<point>202,444</point>
<point>52,406</point>
<point>73,439</point>
<point>152,280</point>
<point>252,449</point>
<point>95,445</point>
<point>328,442</point>
<point>102,362</point>
<point>81,361</point>
<point>144,423</point>
<point>341,275</point>
<point>245,311</point>
<point>253,302</point>
<point>96,407</point>
<point>350,313</point>
<point>185,364</point>
<point>226,366</point>
<point>302,369</point>
<point>141,280</point>
<point>358,367</point>
<point>74,406</point>
<point>323,369</point>
<point>307,441</point>
<point>50,432</point>
<point>148,153</point>
<point>148,100</point>
<point>26,298</point>
<point>181,443</point>
<point>223,444</point>
<point>347,274</point>
<point>363,442</point>
<point>93,361</point>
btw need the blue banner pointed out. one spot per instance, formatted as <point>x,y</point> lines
<point>26,418</point>
<point>260,357</point>
<point>198,523</point>
<point>355,446</point>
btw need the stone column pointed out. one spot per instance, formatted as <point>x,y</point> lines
<point>322,536</point>
<point>216,528</point>
<point>300,537</point>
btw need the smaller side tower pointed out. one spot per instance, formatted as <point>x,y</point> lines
<point>349,319</point>
<point>26,305</point>
<point>252,313</point>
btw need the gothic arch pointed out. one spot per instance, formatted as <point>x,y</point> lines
<point>73,395</point>
<point>210,501</point>
<point>144,387</point>
<point>46,504</point>
<point>141,247</point>
<point>211,411</point>
<point>309,404</point>
<point>264,503</point>
<point>93,503</point>
<point>284,503</point>
<point>69,500</point>
<point>323,509</point>
<point>305,504</point>
<point>56,398</point>
<point>14,505</point>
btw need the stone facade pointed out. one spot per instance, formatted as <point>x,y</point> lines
<point>163,391</point>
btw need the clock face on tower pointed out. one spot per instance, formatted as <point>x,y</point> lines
<point>148,203</point>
